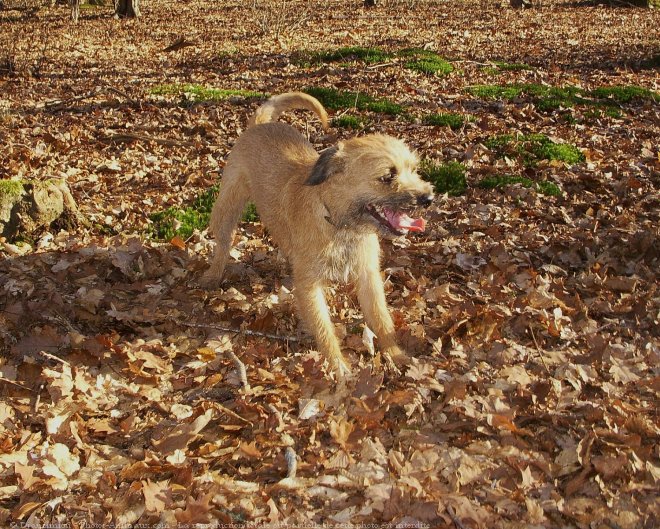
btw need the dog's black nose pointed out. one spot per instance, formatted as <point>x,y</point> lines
<point>425,200</point>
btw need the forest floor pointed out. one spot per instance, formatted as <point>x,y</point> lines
<point>530,303</point>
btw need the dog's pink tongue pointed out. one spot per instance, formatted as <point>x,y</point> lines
<point>401,221</point>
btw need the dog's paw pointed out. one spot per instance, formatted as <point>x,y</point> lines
<point>395,359</point>
<point>341,368</point>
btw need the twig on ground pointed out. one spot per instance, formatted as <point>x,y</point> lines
<point>59,104</point>
<point>233,414</point>
<point>278,416</point>
<point>538,349</point>
<point>63,103</point>
<point>246,332</point>
<point>240,367</point>
<point>6,380</point>
<point>381,65</point>
<point>454,518</point>
<point>122,94</point>
<point>131,136</point>
<point>291,462</point>
<point>56,358</point>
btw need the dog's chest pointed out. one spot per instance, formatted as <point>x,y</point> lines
<point>342,257</point>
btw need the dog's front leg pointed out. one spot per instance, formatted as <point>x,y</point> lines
<point>371,294</point>
<point>316,316</point>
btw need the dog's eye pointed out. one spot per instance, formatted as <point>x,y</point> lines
<point>389,177</point>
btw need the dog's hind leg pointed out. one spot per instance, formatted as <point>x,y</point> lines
<point>227,210</point>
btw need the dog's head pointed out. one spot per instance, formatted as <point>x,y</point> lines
<point>372,183</point>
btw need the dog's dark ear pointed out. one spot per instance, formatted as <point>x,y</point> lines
<point>325,166</point>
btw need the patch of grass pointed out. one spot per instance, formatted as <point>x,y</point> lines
<point>250,214</point>
<point>11,188</point>
<point>347,121</point>
<point>500,181</point>
<point>512,66</point>
<point>425,61</point>
<point>547,150</point>
<point>544,97</point>
<point>533,147</point>
<point>418,59</point>
<point>624,94</point>
<point>551,97</point>
<point>447,119</point>
<point>446,177</point>
<point>184,221</point>
<point>199,93</point>
<point>606,111</point>
<point>348,54</point>
<point>337,100</point>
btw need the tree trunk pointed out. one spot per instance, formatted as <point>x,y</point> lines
<point>127,8</point>
<point>27,207</point>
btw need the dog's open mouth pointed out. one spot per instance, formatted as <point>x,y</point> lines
<point>395,221</point>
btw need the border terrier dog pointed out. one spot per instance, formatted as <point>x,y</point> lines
<point>324,211</point>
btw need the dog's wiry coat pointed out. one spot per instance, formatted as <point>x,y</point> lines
<point>324,211</point>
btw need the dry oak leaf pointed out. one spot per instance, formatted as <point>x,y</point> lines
<point>197,511</point>
<point>26,473</point>
<point>340,430</point>
<point>157,495</point>
<point>182,435</point>
<point>608,466</point>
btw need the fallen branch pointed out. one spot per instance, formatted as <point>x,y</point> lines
<point>59,104</point>
<point>291,462</point>
<point>278,415</point>
<point>233,414</point>
<point>56,358</point>
<point>7,381</point>
<point>130,136</point>
<point>381,65</point>
<point>454,518</point>
<point>247,332</point>
<point>240,367</point>
<point>538,349</point>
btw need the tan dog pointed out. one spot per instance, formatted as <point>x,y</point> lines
<point>325,212</point>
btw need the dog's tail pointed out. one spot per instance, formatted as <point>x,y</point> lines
<point>272,108</point>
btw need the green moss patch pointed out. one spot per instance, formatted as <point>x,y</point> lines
<point>416,59</point>
<point>347,121</point>
<point>11,188</point>
<point>344,54</point>
<point>198,93</point>
<point>551,97</point>
<point>544,97</point>
<point>533,147</point>
<point>184,221</point>
<point>445,119</point>
<point>338,100</point>
<point>512,66</point>
<point>425,61</point>
<point>625,94</point>
<point>446,177</point>
<point>501,181</point>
